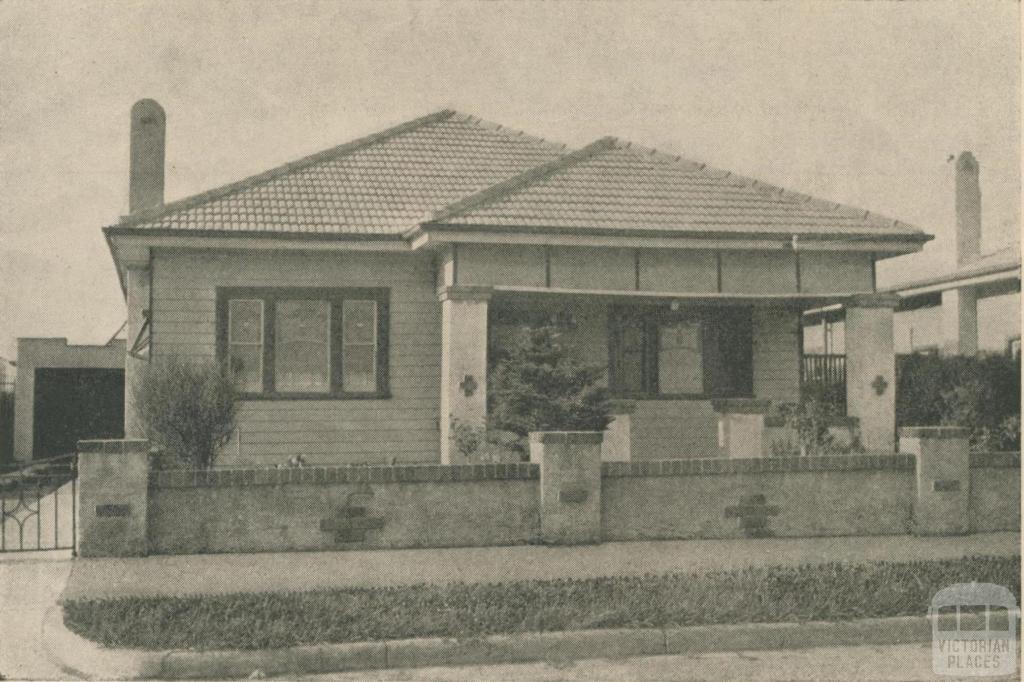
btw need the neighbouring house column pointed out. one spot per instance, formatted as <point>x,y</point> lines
<point>960,321</point>
<point>871,369</point>
<point>570,485</point>
<point>113,496</point>
<point>463,365</point>
<point>943,478</point>
<point>137,282</point>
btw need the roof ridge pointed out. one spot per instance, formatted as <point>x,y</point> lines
<point>521,181</point>
<point>514,133</point>
<point>770,189</point>
<point>285,168</point>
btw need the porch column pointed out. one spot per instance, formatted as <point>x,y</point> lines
<point>871,369</point>
<point>960,321</point>
<point>463,364</point>
<point>137,299</point>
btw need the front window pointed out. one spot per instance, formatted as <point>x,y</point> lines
<point>686,353</point>
<point>305,343</point>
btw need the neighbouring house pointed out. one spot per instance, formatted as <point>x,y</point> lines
<point>362,289</point>
<point>974,308</point>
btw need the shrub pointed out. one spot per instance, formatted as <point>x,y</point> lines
<point>187,408</point>
<point>537,386</point>
<point>981,394</point>
<point>811,420</point>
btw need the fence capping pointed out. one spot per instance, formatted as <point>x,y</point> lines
<point>113,445</point>
<point>567,437</point>
<point>718,466</point>
<point>994,460</point>
<point>936,432</point>
<point>328,475</point>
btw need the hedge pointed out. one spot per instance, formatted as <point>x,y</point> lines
<point>979,393</point>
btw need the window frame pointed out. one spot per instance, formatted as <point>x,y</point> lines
<point>335,297</point>
<point>650,317</point>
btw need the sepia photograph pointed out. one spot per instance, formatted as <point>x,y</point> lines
<point>510,340</point>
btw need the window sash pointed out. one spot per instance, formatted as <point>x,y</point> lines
<point>233,343</point>
<point>288,367</point>
<point>338,387</point>
<point>349,345</point>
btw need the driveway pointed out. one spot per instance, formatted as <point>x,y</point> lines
<point>30,584</point>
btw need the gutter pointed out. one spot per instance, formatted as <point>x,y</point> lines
<point>789,236</point>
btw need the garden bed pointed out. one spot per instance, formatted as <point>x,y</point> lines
<point>828,592</point>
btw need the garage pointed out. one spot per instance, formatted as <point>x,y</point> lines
<point>65,393</point>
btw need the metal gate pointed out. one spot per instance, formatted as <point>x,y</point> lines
<point>37,506</point>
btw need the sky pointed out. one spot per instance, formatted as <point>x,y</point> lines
<point>860,102</point>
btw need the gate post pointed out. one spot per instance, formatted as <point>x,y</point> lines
<point>943,478</point>
<point>113,496</point>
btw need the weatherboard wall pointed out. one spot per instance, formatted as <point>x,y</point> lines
<point>402,427</point>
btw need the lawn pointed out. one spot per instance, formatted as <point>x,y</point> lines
<point>830,592</point>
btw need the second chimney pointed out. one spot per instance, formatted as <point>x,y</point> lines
<point>968,209</point>
<point>146,172</point>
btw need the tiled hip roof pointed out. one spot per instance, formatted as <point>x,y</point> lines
<point>451,170</point>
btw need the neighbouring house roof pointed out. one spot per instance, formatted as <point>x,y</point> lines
<point>614,185</point>
<point>999,265</point>
<point>455,171</point>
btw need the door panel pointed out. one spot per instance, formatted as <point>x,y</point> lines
<point>76,404</point>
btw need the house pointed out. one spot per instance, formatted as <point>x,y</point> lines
<point>360,288</point>
<point>975,307</point>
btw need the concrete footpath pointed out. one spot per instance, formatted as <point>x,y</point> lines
<point>294,572</point>
<point>30,584</point>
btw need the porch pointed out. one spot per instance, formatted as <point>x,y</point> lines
<point>700,348</point>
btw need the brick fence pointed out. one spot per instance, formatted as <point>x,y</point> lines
<point>564,495</point>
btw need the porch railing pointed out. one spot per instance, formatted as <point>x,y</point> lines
<point>826,374</point>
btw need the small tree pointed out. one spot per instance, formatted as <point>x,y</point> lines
<point>537,386</point>
<point>187,408</point>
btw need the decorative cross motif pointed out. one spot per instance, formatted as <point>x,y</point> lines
<point>753,513</point>
<point>468,385</point>
<point>350,523</point>
<point>879,384</point>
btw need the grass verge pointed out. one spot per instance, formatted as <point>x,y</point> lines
<point>829,592</point>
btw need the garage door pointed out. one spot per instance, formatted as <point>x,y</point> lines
<point>76,404</point>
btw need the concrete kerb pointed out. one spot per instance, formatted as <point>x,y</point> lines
<point>92,661</point>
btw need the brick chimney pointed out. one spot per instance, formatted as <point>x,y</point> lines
<point>968,209</point>
<point>146,172</point>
